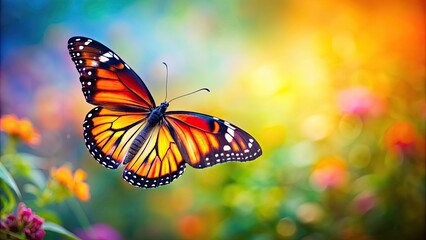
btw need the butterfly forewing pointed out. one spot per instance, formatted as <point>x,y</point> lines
<point>106,79</point>
<point>205,141</point>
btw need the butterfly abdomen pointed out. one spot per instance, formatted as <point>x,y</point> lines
<point>153,119</point>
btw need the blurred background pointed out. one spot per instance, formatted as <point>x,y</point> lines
<point>334,91</point>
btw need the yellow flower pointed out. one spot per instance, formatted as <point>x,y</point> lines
<point>20,128</point>
<point>75,183</point>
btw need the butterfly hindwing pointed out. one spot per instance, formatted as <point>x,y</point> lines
<point>205,141</point>
<point>158,162</point>
<point>108,134</point>
<point>106,79</point>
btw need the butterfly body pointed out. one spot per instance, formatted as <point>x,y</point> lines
<point>154,117</point>
<point>127,128</point>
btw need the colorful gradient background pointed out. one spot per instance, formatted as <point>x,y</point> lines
<point>334,91</point>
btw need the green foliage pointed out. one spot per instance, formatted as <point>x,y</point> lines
<point>53,227</point>
<point>8,180</point>
<point>43,192</point>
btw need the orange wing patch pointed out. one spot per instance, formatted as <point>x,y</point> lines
<point>106,79</point>
<point>205,140</point>
<point>108,134</point>
<point>158,162</point>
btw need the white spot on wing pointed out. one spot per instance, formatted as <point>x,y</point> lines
<point>226,148</point>
<point>230,131</point>
<point>228,125</point>
<point>103,59</point>
<point>228,137</point>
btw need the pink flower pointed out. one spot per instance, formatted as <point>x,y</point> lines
<point>99,231</point>
<point>329,173</point>
<point>364,201</point>
<point>26,225</point>
<point>360,101</point>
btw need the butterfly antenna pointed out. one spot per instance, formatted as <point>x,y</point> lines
<point>167,78</point>
<point>201,89</point>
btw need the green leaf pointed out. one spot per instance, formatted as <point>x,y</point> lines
<point>38,178</point>
<point>53,227</point>
<point>35,174</point>
<point>7,201</point>
<point>25,165</point>
<point>7,178</point>
<point>48,215</point>
<point>31,188</point>
<point>32,160</point>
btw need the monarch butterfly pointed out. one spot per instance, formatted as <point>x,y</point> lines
<point>126,127</point>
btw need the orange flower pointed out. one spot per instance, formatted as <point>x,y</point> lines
<point>402,136</point>
<point>20,128</point>
<point>75,182</point>
<point>63,175</point>
<point>81,189</point>
<point>191,227</point>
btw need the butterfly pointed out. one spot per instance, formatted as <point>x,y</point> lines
<point>127,127</point>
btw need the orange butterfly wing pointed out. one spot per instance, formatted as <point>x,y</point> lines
<point>106,79</point>
<point>108,134</point>
<point>205,141</point>
<point>158,162</point>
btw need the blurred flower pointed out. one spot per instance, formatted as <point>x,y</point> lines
<point>317,127</point>
<point>364,201</point>
<point>25,225</point>
<point>402,137</point>
<point>310,213</point>
<point>191,226</point>
<point>329,173</point>
<point>360,101</point>
<point>20,128</point>
<point>286,227</point>
<point>81,189</point>
<point>75,182</point>
<point>99,231</point>
<point>63,175</point>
